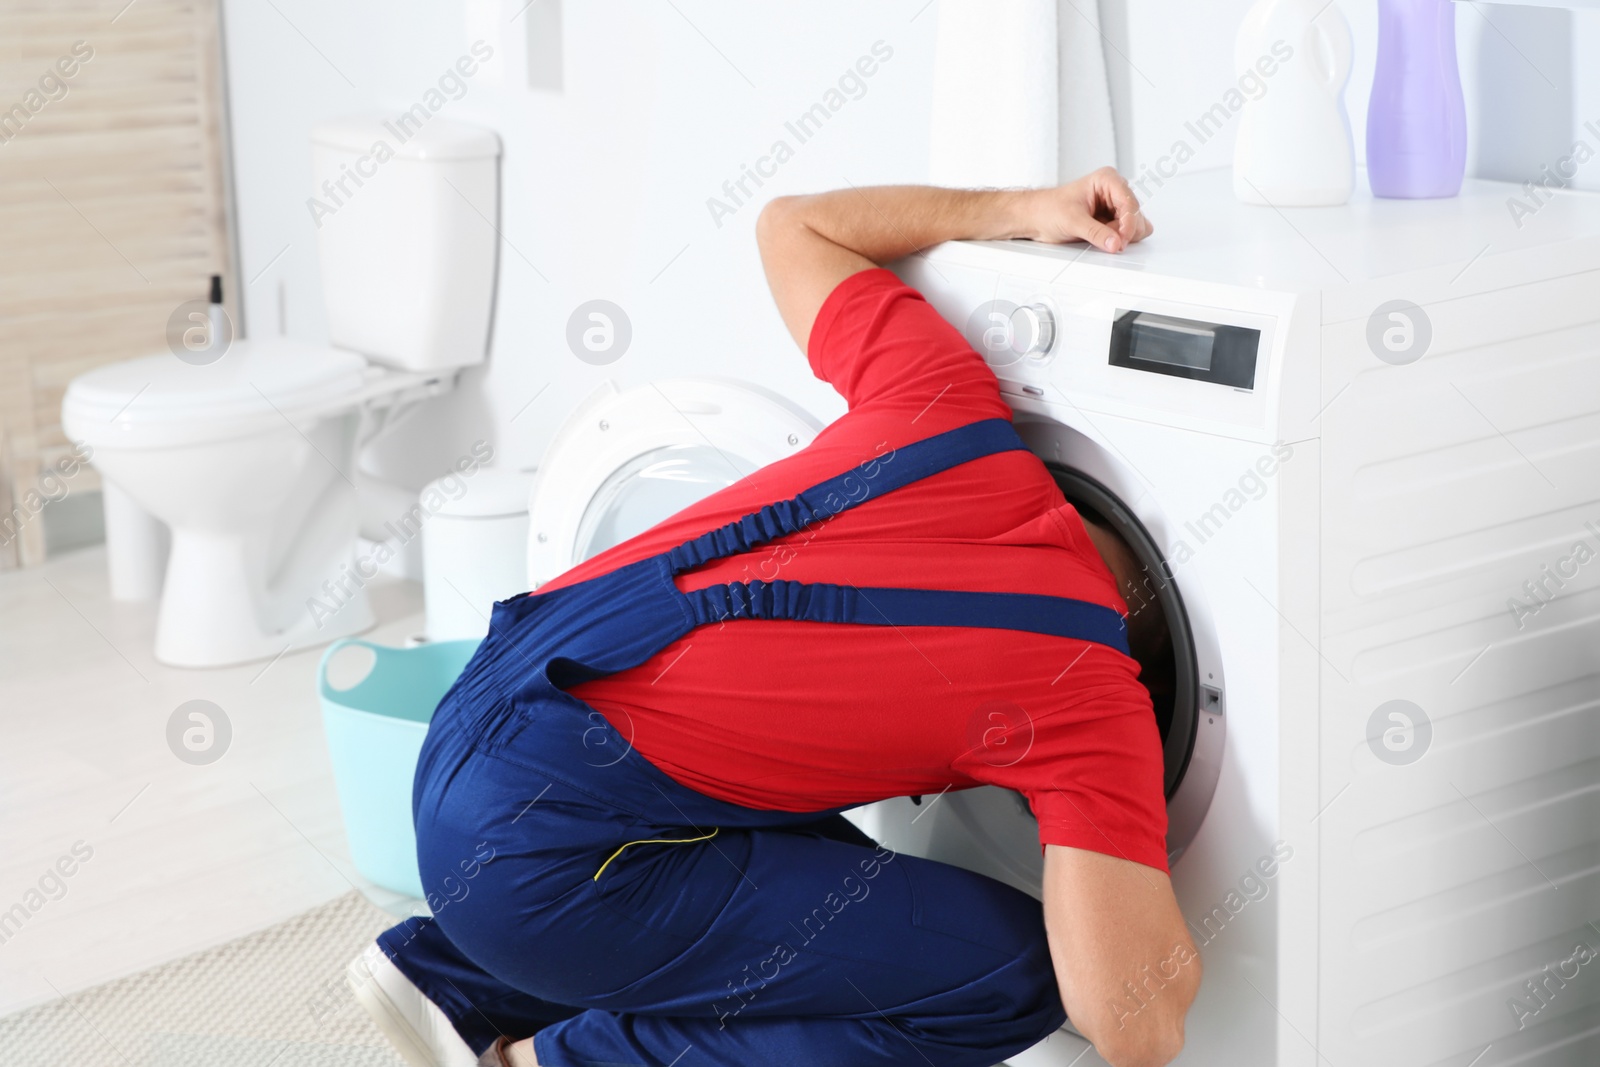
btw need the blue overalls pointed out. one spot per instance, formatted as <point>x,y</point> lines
<point>580,893</point>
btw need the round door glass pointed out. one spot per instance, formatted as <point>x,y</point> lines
<point>649,488</point>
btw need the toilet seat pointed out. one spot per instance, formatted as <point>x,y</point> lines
<point>161,402</point>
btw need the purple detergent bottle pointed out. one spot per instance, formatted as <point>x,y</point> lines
<point>1417,118</point>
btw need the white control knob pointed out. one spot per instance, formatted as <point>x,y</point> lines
<point>1033,330</point>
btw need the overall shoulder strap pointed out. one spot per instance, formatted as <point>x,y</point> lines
<point>823,602</point>
<point>874,478</point>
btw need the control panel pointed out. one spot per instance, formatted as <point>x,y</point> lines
<point>1184,348</point>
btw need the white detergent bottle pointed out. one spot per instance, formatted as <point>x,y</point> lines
<point>1294,146</point>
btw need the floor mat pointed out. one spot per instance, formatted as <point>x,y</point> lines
<point>274,999</point>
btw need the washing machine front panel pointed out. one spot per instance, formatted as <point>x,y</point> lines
<point>1191,355</point>
<point>1407,616</point>
<point>626,459</point>
<point>1221,814</point>
<point>1074,358</point>
<point>1174,451</point>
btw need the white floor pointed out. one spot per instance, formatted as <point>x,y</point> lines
<point>184,857</point>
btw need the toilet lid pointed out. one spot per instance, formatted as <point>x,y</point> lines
<point>253,379</point>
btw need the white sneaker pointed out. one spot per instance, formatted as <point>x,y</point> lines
<point>414,1025</point>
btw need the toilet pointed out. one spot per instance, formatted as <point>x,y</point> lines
<point>250,460</point>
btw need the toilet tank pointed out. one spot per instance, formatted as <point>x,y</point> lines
<point>406,209</point>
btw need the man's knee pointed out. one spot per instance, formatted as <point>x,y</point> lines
<point>1038,1012</point>
<point>1018,1007</point>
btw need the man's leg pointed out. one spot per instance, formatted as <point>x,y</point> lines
<point>481,1007</point>
<point>771,946</point>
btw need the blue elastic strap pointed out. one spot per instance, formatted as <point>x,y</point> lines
<point>874,478</point>
<point>823,602</point>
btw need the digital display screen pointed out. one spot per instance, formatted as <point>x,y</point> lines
<point>1185,348</point>
<point>1175,342</point>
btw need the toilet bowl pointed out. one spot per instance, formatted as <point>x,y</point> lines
<point>250,460</point>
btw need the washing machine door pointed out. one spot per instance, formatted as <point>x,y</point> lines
<point>626,459</point>
<point>993,831</point>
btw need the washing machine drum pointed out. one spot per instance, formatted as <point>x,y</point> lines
<point>1173,678</point>
<point>993,831</point>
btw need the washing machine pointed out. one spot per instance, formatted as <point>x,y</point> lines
<point>1357,450</point>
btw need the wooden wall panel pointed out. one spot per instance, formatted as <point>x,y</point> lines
<point>112,210</point>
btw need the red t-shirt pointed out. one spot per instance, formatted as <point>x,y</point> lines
<point>799,716</point>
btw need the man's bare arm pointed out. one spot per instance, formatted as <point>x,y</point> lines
<point>809,244</point>
<point>1126,965</point>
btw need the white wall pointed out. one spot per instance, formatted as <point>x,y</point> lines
<point>605,181</point>
<point>1529,89</point>
<point>1169,62</point>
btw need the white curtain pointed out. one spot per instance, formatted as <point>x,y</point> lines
<point>1020,95</point>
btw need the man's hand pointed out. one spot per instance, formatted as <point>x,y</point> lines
<point>809,244</point>
<point>1124,961</point>
<point>1098,208</point>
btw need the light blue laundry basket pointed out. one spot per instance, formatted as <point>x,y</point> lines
<point>375,730</point>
